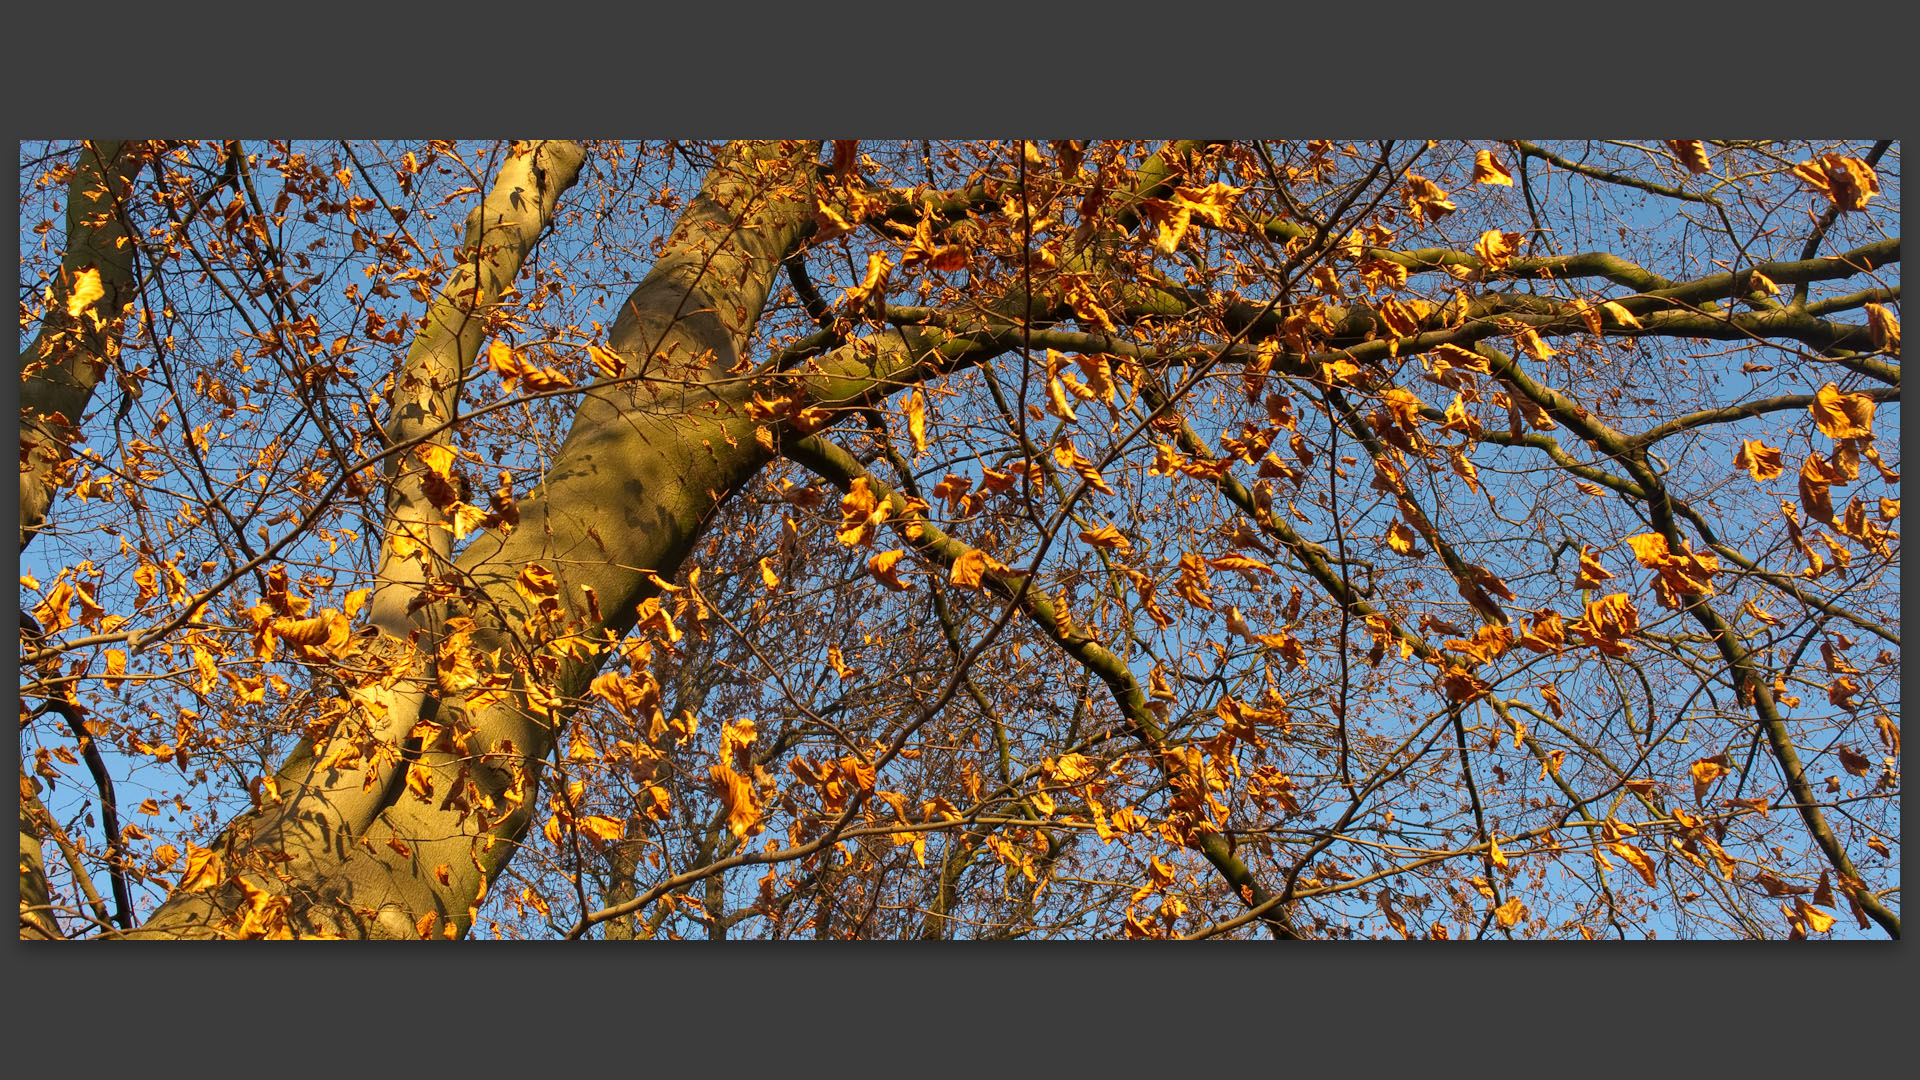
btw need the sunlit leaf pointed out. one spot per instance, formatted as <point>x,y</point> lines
<point>1692,153</point>
<point>1842,416</point>
<point>1847,182</point>
<point>1488,170</point>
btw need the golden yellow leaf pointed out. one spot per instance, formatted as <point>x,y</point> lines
<point>1496,249</point>
<point>86,289</point>
<point>1842,416</point>
<point>610,365</point>
<point>1608,622</point>
<point>838,663</point>
<point>736,796</point>
<point>1546,632</point>
<point>1816,920</point>
<point>1537,348</point>
<point>1551,695</point>
<point>655,617</point>
<point>1511,913</point>
<point>1621,315</point>
<point>1401,538</point>
<point>768,577</point>
<point>1059,403</point>
<point>872,287</point>
<point>1488,170</point>
<point>600,828</point>
<point>1099,372</point>
<point>1462,686</point>
<point>515,369</point>
<point>1070,768</point>
<point>1842,690</point>
<point>204,870</point>
<point>916,409</point>
<point>536,581</point>
<point>1589,314</point>
<point>1649,548</point>
<point>1493,851</point>
<point>1457,357</point>
<point>116,668</point>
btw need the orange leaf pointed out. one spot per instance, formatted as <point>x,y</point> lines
<point>1885,328</point>
<point>1242,564</point>
<point>204,870</point>
<point>1591,572</point>
<point>1426,200</point>
<point>883,566</point>
<point>1488,170</point>
<point>600,828</point>
<point>968,568</point>
<point>1761,461</point>
<point>1538,349</point>
<point>1705,772</point>
<point>1854,763</point>
<point>1847,182</point>
<point>1511,912</point>
<point>1640,860</point>
<point>1497,248</point>
<point>1842,416</point>
<point>916,409</point>
<point>736,796</point>
<point>1816,920</point>
<point>1692,153</point>
<point>1621,315</point>
<point>1106,536</point>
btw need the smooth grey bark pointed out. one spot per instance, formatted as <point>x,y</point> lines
<point>644,467</point>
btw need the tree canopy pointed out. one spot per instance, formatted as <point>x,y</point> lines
<point>837,539</point>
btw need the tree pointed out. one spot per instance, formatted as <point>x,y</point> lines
<point>1003,539</point>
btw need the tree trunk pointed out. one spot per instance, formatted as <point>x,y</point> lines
<point>640,474</point>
